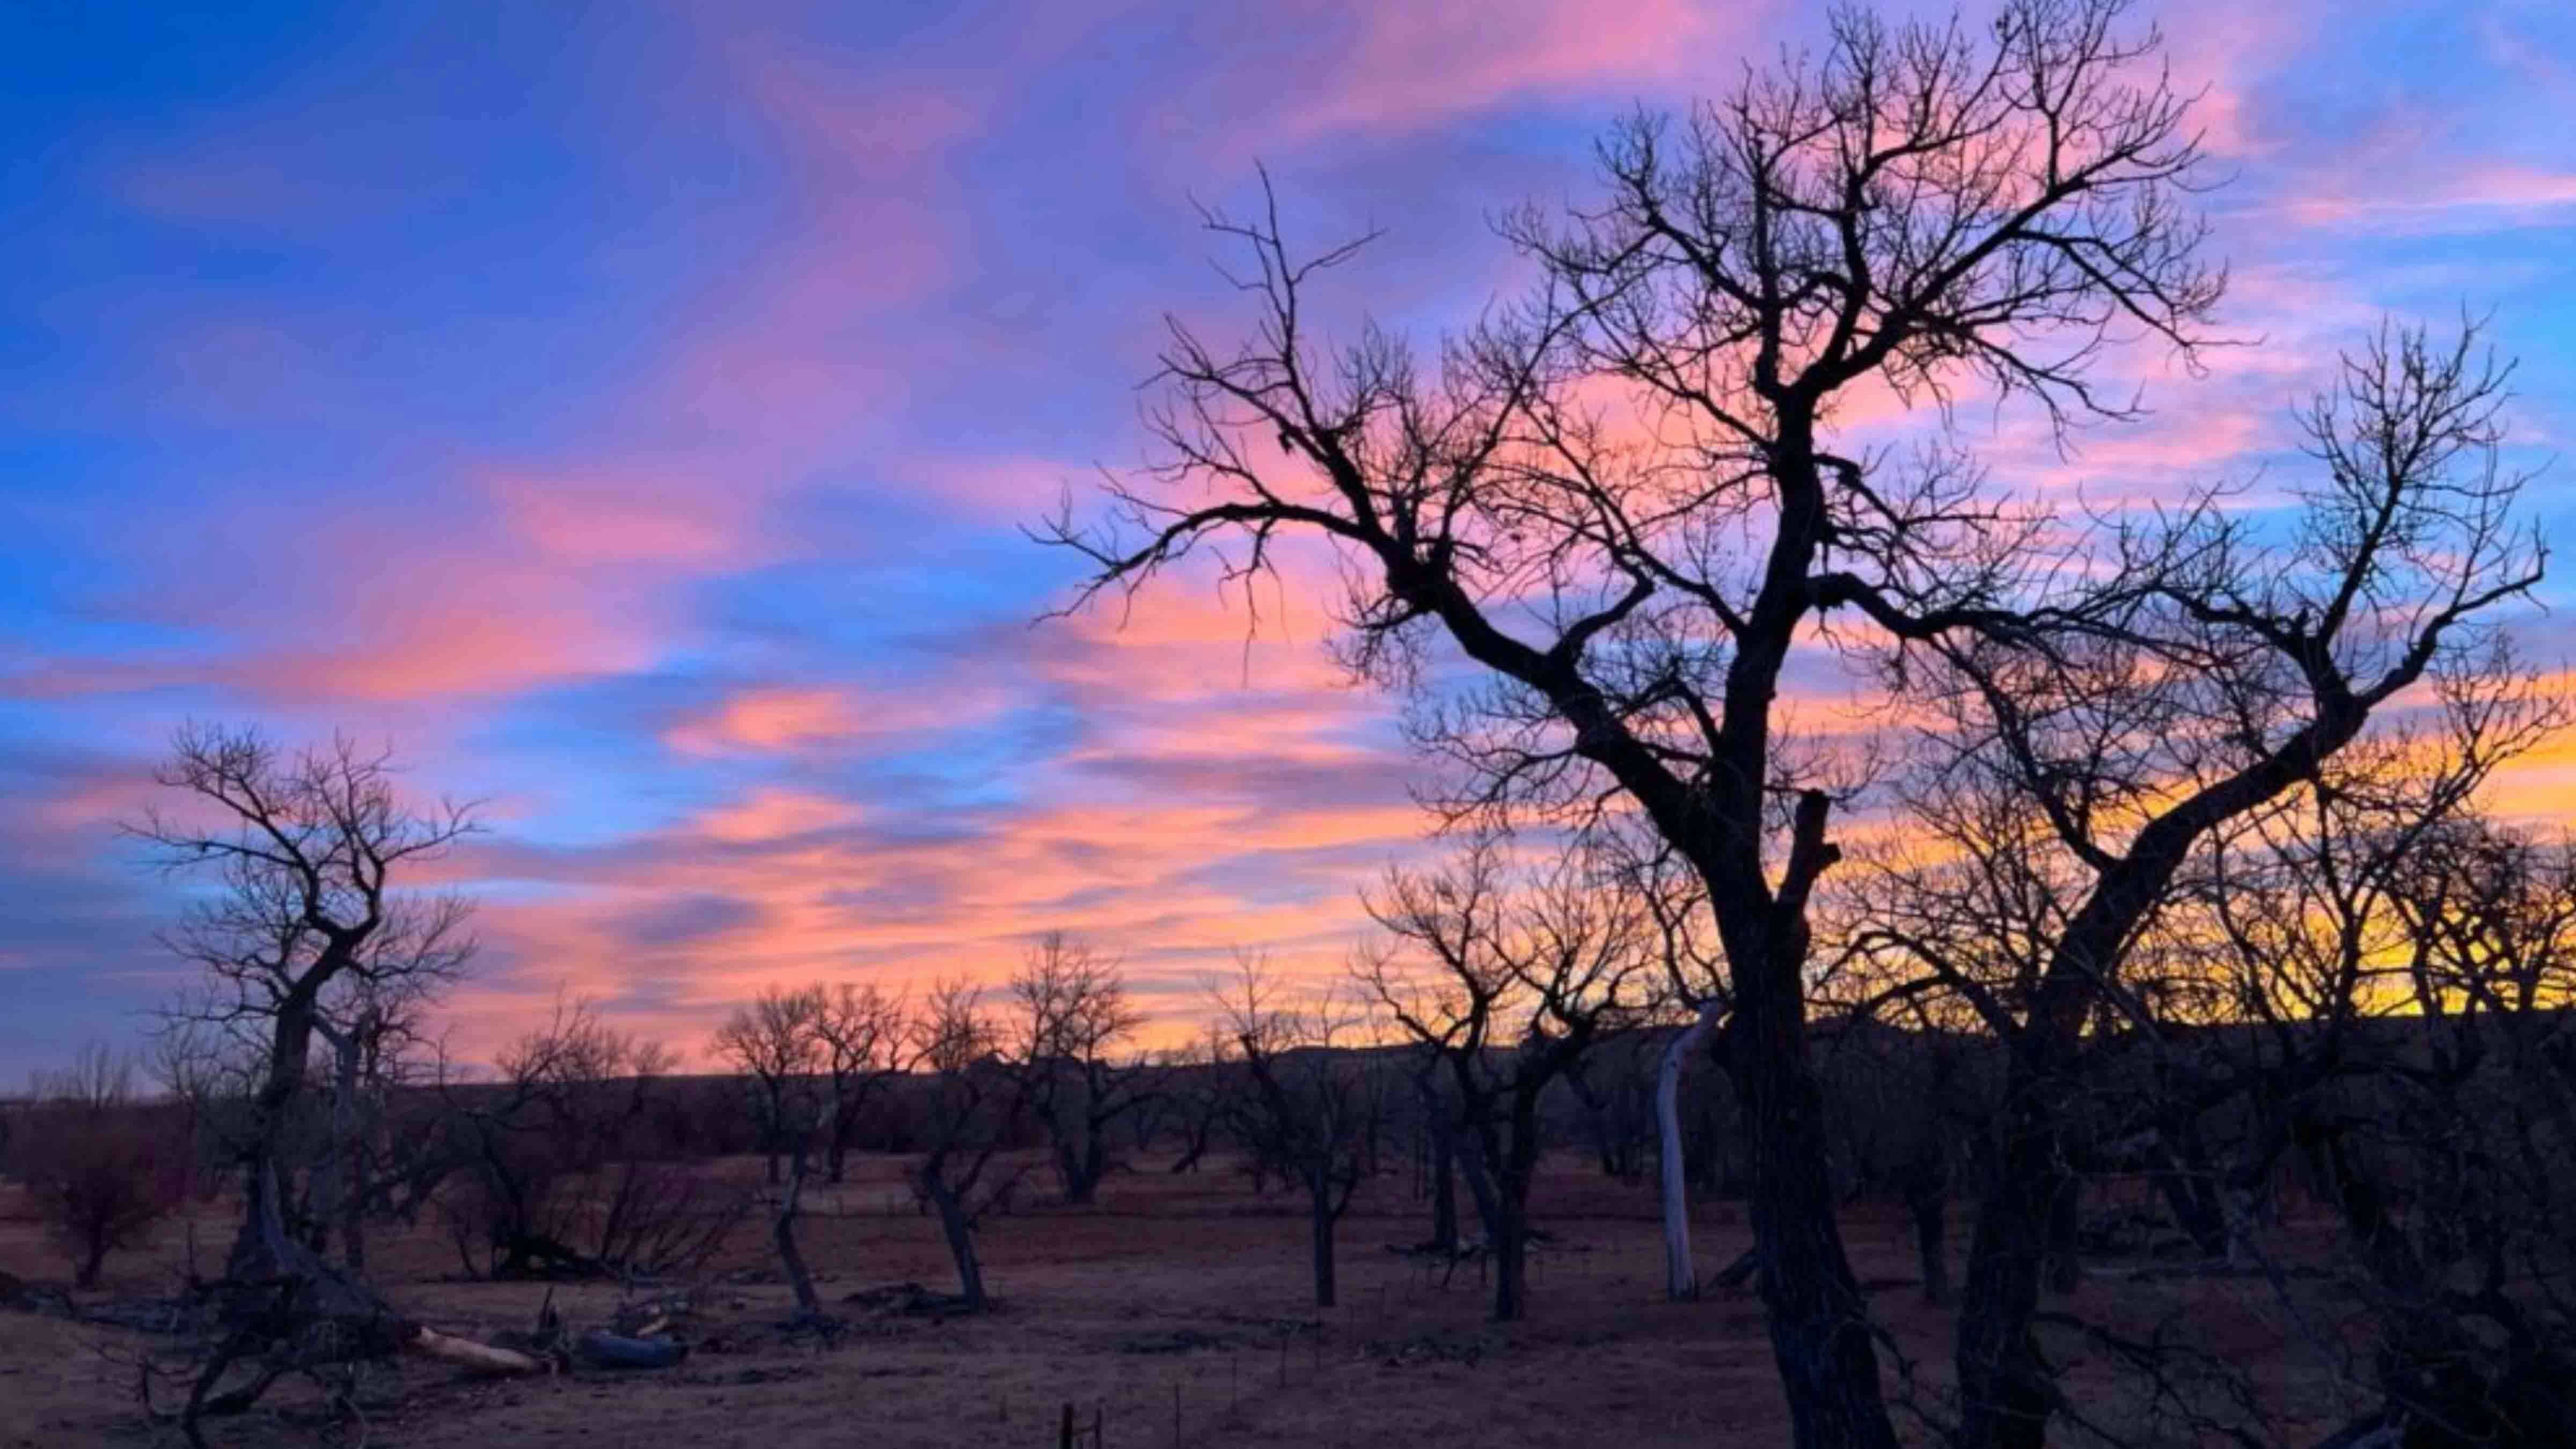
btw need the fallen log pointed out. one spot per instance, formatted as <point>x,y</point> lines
<point>465,1353</point>
<point>611,1350</point>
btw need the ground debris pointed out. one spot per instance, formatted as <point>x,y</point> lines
<point>1177,1340</point>
<point>903,1298</point>
<point>1468,1348</point>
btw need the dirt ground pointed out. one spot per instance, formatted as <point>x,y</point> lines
<point>1179,1311</point>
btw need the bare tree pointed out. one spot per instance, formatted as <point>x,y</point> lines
<point>1507,989</point>
<point>802,1114</point>
<point>1314,1098</point>
<point>773,1039</point>
<point>96,1163</point>
<point>2404,970</point>
<point>2238,662</point>
<point>551,1179</point>
<point>1068,1031</point>
<point>861,1033</point>
<point>1625,500</point>
<point>308,846</point>
<point>209,1074</point>
<point>972,1106</point>
<point>1199,1094</point>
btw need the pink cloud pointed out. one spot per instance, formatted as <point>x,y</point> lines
<point>1410,65</point>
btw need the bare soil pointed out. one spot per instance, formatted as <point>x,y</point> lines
<point>1179,1310</point>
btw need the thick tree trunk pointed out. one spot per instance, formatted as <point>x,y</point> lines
<point>259,1251</point>
<point>961,1244</point>
<point>1818,1320</point>
<point>1820,1335</point>
<point>349,1151</point>
<point>2006,1389</point>
<point>2065,1235</point>
<point>1681,1275</point>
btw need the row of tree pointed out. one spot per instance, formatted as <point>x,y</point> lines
<point>2357,1000</point>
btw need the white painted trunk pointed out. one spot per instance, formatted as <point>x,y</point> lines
<point>1681,1277</point>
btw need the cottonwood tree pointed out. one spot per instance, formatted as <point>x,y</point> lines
<point>860,1029</point>
<point>308,847</point>
<point>971,1105</point>
<point>773,1039</point>
<point>342,1158</point>
<point>1627,500</point>
<point>1314,1098</point>
<point>2245,655</point>
<point>1506,984</point>
<point>1067,1039</point>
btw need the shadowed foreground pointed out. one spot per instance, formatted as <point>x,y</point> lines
<point>1171,1285</point>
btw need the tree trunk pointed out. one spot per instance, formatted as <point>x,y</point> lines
<point>2065,1234</point>
<point>1509,1249</point>
<point>1929,1202</point>
<point>349,1169</point>
<point>1818,1320</point>
<point>782,1231</point>
<point>1681,1275</point>
<point>2005,1387</point>
<point>1480,1184</point>
<point>961,1241</point>
<point>1079,1165</point>
<point>1200,1132</point>
<point>259,1251</point>
<point>1444,1189</point>
<point>2190,1190</point>
<point>1320,1187</point>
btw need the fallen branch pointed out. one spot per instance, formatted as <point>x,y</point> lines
<point>465,1353</point>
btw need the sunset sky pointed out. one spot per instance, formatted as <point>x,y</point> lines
<point>631,412</point>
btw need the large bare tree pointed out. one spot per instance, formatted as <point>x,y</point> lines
<point>2244,655</point>
<point>1626,498</point>
<point>307,846</point>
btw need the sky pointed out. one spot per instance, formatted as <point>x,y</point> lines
<point>633,413</point>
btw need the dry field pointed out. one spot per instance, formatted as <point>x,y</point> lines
<point>1178,1309</point>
